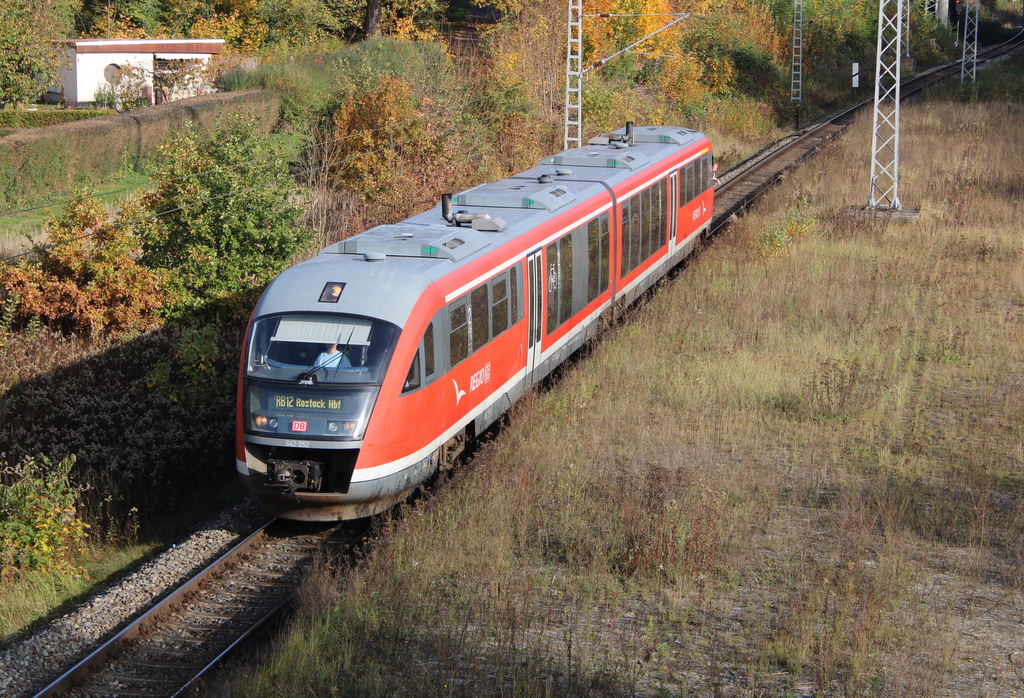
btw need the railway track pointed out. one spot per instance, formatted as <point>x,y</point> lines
<point>165,650</point>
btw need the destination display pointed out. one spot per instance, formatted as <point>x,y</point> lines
<point>282,401</point>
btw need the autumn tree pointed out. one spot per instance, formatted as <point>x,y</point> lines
<point>245,25</point>
<point>86,278</point>
<point>28,57</point>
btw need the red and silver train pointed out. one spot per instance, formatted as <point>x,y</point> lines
<point>368,367</point>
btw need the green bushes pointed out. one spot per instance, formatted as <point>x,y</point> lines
<point>196,372</point>
<point>218,227</point>
<point>48,117</point>
<point>39,526</point>
<point>312,86</point>
<point>226,225</point>
<point>146,410</point>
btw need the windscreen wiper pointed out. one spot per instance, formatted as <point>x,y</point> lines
<point>308,377</point>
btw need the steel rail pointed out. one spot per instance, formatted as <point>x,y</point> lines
<point>148,620</point>
<point>175,643</point>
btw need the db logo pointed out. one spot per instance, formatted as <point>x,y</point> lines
<point>299,425</point>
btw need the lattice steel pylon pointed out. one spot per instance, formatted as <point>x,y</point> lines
<point>969,64</point>
<point>885,140</point>
<point>574,77</point>
<point>796,83</point>
<point>931,7</point>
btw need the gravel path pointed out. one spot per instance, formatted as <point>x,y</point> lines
<point>31,664</point>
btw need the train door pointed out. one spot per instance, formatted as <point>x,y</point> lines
<point>534,303</point>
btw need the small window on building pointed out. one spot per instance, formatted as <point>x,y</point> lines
<point>110,73</point>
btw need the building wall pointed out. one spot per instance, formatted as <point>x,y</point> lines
<point>87,72</point>
<point>91,71</point>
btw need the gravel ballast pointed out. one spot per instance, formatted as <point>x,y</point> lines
<point>30,665</point>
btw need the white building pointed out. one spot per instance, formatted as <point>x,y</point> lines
<point>94,65</point>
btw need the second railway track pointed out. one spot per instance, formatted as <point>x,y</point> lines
<point>749,179</point>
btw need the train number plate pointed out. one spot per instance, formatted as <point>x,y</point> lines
<point>300,425</point>
<point>290,443</point>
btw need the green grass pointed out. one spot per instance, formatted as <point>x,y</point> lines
<point>36,596</point>
<point>19,230</point>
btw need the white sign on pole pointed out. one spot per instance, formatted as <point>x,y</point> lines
<point>856,74</point>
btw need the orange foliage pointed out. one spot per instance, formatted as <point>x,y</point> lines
<point>369,122</point>
<point>605,36</point>
<point>90,285</point>
<point>691,60</point>
<point>240,28</point>
<point>397,150</point>
<point>119,27</point>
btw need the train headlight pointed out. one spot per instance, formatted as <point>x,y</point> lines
<point>261,421</point>
<point>342,428</point>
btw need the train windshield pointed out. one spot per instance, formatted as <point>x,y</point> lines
<point>312,349</point>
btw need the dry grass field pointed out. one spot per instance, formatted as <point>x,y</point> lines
<point>796,471</point>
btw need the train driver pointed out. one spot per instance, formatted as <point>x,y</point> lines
<point>333,358</point>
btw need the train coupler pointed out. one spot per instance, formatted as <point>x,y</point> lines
<point>295,475</point>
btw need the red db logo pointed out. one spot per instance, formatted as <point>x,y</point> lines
<point>299,425</point>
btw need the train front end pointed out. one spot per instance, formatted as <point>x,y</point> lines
<point>317,353</point>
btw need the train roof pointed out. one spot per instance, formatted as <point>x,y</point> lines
<point>387,268</point>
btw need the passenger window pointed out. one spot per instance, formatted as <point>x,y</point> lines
<point>660,204</point>
<point>458,340</point>
<point>650,223</point>
<point>636,231</point>
<point>513,284</point>
<point>606,250</point>
<point>412,380</point>
<point>499,306</point>
<point>565,278</point>
<point>594,259</point>
<point>480,317</point>
<point>428,351</point>
<point>627,258</point>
